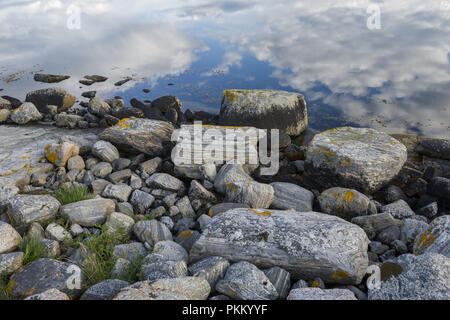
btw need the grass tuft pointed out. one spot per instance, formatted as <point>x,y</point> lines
<point>66,195</point>
<point>33,249</point>
<point>4,293</point>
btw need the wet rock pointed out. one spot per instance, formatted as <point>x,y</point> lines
<point>264,109</point>
<point>230,173</point>
<point>51,96</point>
<point>143,135</point>
<point>399,210</point>
<point>253,235</point>
<point>49,295</point>
<point>88,213</point>
<point>281,280</point>
<point>291,196</point>
<point>49,78</point>
<point>122,82</point>
<point>212,269</point>
<point>423,277</point>
<point>151,231</point>
<point>44,274</point>
<point>27,112</point>
<point>244,281</point>
<point>104,290</point>
<point>321,294</point>
<point>120,192</point>
<point>10,262</point>
<point>345,203</point>
<point>252,193</point>
<point>24,209</point>
<point>357,158</point>
<point>186,288</point>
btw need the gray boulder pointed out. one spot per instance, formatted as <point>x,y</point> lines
<point>230,173</point>
<point>164,270</point>
<point>152,231</point>
<point>27,112</point>
<point>252,193</point>
<point>104,290</point>
<point>212,269</point>
<point>120,192</point>
<point>53,97</point>
<point>306,244</point>
<point>398,209</point>
<point>321,294</point>
<point>291,196</point>
<point>88,213</point>
<point>281,279</point>
<point>10,263</point>
<point>24,209</point>
<point>49,295</point>
<point>436,239</point>
<point>358,158</point>
<point>166,182</point>
<point>98,107</point>
<point>105,151</point>
<point>374,223</point>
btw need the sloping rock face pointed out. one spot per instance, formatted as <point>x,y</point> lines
<point>307,244</point>
<point>151,137</point>
<point>25,209</point>
<point>359,158</point>
<point>27,112</point>
<point>265,109</point>
<point>22,148</point>
<point>53,97</point>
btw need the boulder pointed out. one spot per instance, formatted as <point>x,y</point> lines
<point>281,280</point>
<point>185,288</point>
<point>104,290</point>
<point>49,78</point>
<point>264,109</point>
<point>60,153</point>
<point>306,244</point>
<point>151,231</point>
<point>89,213</point>
<point>4,115</point>
<point>212,269</point>
<point>25,209</point>
<point>105,151</point>
<point>435,148</point>
<point>252,193</point>
<point>51,96</point>
<point>44,274</point>
<point>98,107</point>
<point>117,221</point>
<point>120,192</point>
<point>345,203</point>
<point>398,209</point>
<point>372,224</point>
<point>10,262</point>
<point>291,196</point>
<point>151,137</point>
<point>230,173</point>
<point>9,238</point>
<point>321,294</point>
<point>423,277</point>
<point>358,158</point>
<point>166,182</point>
<point>27,112</point>
<point>436,239</point>
<point>49,295</point>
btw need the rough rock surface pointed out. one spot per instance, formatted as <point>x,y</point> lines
<point>143,135</point>
<point>252,193</point>
<point>230,173</point>
<point>51,96</point>
<point>436,239</point>
<point>321,294</point>
<point>264,109</point>
<point>104,290</point>
<point>29,208</point>
<point>291,196</point>
<point>359,158</point>
<point>49,295</point>
<point>27,112</point>
<point>307,244</point>
<point>9,238</point>
<point>88,213</point>
<point>10,262</point>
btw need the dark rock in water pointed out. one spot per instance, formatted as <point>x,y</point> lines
<point>111,120</point>
<point>116,103</point>
<point>154,113</point>
<point>435,148</point>
<point>49,78</point>
<point>128,113</point>
<point>15,103</point>
<point>146,90</point>
<point>138,104</point>
<point>51,96</point>
<point>167,102</point>
<point>172,116</point>
<point>87,82</point>
<point>89,94</point>
<point>84,104</point>
<point>121,82</point>
<point>96,78</point>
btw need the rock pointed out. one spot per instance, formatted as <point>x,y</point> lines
<point>429,211</point>
<point>60,153</point>
<point>52,248</point>
<point>44,274</point>
<point>165,181</point>
<point>5,104</point>
<point>167,221</point>
<point>254,235</point>
<point>230,173</point>
<point>291,196</point>
<point>221,208</point>
<point>439,187</point>
<point>435,148</point>
<point>124,113</point>
<point>164,270</point>
<point>151,231</point>
<point>151,166</point>
<point>119,222</point>
<point>357,158</point>
<point>49,295</point>
<point>164,104</point>
<point>121,269</point>
<point>281,280</point>
<point>89,94</point>
<point>49,78</point>
<point>167,251</point>
<point>96,78</point>
<point>105,151</point>
<point>375,223</point>
<point>132,252</point>
<point>121,164</point>
<point>4,115</point>
<point>122,82</point>
<point>120,192</point>
<point>424,277</point>
<point>244,281</point>
<point>151,137</point>
<point>321,294</point>
<point>99,185</point>
<point>7,193</point>
<point>436,239</point>
<point>27,112</point>
<point>24,209</point>
<point>135,182</point>
<point>197,191</point>
<point>388,235</point>
<point>185,208</point>
<point>390,194</point>
<point>101,169</point>
<point>265,109</point>
<point>212,269</point>
<point>187,238</point>
<point>104,290</point>
<point>416,187</point>
<point>89,213</point>
<point>141,201</point>
<point>67,120</point>
<point>400,247</point>
<point>410,229</point>
<point>10,262</point>
<point>399,210</point>
<point>186,288</point>
<point>56,232</point>
<point>51,96</point>
<point>252,193</point>
<point>345,203</point>
<point>203,221</point>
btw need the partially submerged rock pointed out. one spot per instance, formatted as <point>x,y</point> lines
<point>51,96</point>
<point>49,78</point>
<point>307,244</point>
<point>27,112</point>
<point>358,158</point>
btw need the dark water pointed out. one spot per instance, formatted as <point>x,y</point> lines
<point>396,78</point>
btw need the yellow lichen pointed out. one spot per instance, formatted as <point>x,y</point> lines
<point>340,275</point>
<point>349,196</point>
<point>262,212</point>
<point>186,234</point>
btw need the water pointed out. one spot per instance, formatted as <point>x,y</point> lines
<point>396,78</point>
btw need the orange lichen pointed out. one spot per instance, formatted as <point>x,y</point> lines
<point>340,275</point>
<point>262,212</point>
<point>186,234</point>
<point>349,196</point>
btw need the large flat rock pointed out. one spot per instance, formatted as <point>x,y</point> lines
<point>22,147</point>
<point>307,244</point>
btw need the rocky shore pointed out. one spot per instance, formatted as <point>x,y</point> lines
<point>92,206</point>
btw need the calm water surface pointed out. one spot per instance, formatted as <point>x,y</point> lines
<point>396,78</point>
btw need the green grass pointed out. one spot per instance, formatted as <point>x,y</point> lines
<point>100,262</point>
<point>66,195</point>
<point>4,294</point>
<point>33,249</point>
